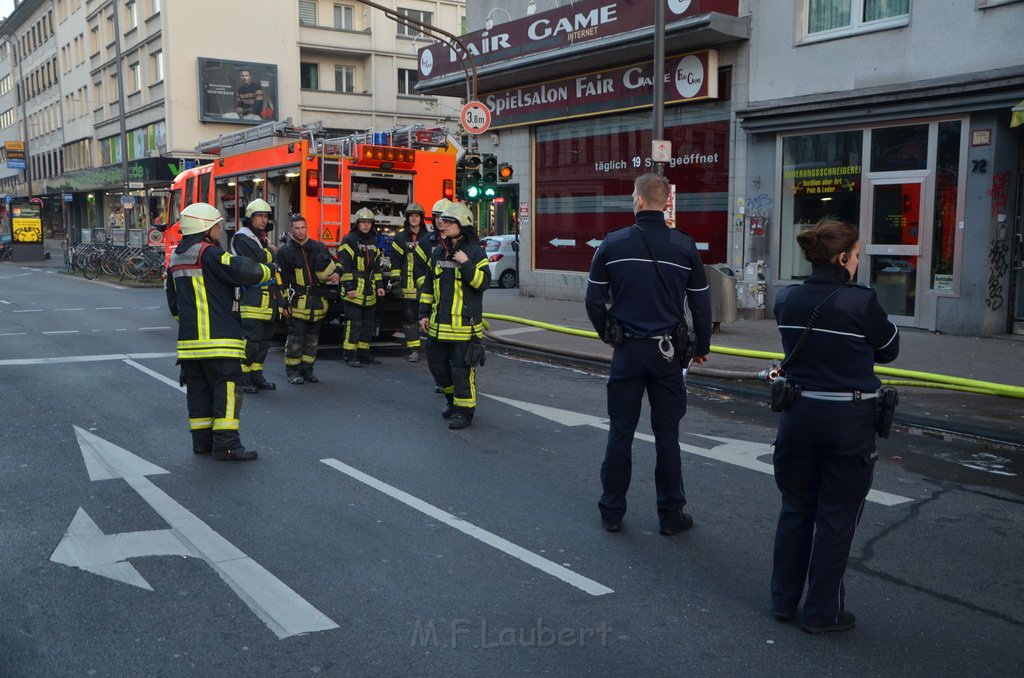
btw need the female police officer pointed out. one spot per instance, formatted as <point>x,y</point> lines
<point>825,449</point>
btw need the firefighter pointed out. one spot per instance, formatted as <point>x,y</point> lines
<point>305,264</point>
<point>435,216</point>
<point>451,312</point>
<point>258,306</point>
<point>201,279</point>
<point>408,266</point>
<point>362,281</point>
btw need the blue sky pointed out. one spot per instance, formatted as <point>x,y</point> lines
<point>5,8</point>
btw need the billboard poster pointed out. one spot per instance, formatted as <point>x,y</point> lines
<point>239,92</point>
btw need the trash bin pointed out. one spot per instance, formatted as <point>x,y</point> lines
<point>722,283</point>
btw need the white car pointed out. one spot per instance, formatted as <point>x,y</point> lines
<point>502,256</point>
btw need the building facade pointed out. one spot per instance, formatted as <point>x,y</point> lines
<point>119,93</point>
<point>891,114</point>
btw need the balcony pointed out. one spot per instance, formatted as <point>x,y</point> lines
<point>328,100</point>
<point>333,41</point>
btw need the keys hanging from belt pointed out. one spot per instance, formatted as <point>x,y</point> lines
<point>665,348</point>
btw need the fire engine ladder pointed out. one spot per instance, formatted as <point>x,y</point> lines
<point>332,160</point>
<point>257,135</point>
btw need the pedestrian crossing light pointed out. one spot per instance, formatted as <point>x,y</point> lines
<point>468,176</point>
<point>505,172</point>
<point>489,183</point>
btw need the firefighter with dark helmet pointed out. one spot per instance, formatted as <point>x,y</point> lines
<point>408,265</point>
<point>201,282</point>
<point>451,312</point>
<point>259,306</point>
<point>362,282</point>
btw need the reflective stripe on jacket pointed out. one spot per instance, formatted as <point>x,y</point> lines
<point>452,295</point>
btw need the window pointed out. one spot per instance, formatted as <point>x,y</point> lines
<point>309,75</point>
<point>307,12</point>
<point>5,85</point>
<point>995,3</point>
<point>135,74</point>
<point>406,81</point>
<point>830,18</point>
<point>7,118</point>
<point>413,31</point>
<point>344,79</point>
<point>156,6</point>
<point>94,40</point>
<point>133,16</point>
<point>343,17</point>
<point>156,66</point>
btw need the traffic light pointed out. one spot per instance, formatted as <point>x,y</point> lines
<point>505,172</point>
<point>489,182</point>
<point>468,176</point>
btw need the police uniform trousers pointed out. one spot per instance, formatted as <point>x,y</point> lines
<point>359,326</point>
<point>638,366</point>
<point>214,401</point>
<point>257,334</point>
<point>411,323</point>
<point>447,363</point>
<point>824,460</point>
<point>301,345</point>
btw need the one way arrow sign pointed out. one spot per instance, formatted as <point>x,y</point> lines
<point>86,547</point>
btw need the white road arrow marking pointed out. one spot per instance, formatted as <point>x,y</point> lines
<point>562,242</point>
<point>529,557</point>
<point>595,243</point>
<point>741,453</point>
<point>284,611</point>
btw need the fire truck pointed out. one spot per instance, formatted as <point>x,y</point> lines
<point>302,170</point>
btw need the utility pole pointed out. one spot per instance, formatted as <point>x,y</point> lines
<point>658,67</point>
<point>121,116</point>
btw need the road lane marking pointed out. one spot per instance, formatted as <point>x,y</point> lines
<point>148,329</point>
<point>69,309</point>
<point>85,358</point>
<point>543,564</point>
<point>27,310</point>
<point>156,375</point>
<point>741,453</point>
<point>108,308</point>
<point>515,330</point>
<point>85,546</point>
<point>13,334</point>
<point>60,332</point>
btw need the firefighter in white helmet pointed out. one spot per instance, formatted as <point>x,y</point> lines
<point>408,254</point>
<point>451,312</point>
<point>362,282</point>
<point>201,282</point>
<point>259,306</point>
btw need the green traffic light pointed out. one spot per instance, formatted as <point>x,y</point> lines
<point>490,192</point>
<point>473,192</point>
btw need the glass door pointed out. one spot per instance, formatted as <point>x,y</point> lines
<point>893,250</point>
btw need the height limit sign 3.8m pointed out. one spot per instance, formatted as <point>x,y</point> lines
<point>476,117</point>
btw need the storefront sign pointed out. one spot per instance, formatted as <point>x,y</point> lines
<point>688,77</point>
<point>824,180</point>
<point>565,26</point>
<point>148,170</point>
<point>15,151</point>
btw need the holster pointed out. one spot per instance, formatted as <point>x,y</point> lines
<point>475,354</point>
<point>683,341</point>
<point>613,333</point>
<point>885,409</point>
<point>784,395</point>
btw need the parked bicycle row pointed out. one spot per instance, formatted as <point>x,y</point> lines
<point>141,264</point>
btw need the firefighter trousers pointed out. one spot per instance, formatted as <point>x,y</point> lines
<point>301,346</point>
<point>447,362</point>
<point>411,323</point>
<point>214,401</point>
<point>359,326</point>
<point>258,334</point>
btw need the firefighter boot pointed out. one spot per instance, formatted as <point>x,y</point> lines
<point>245,383</point>
<point>240,454</point>
<point>414,356</point>
<point>352,359</point>
<point>450,408</point>
<point>462,418</point>
<point>307,374</point>
<point>365,357</point>
<point>202,442</point>
<point>292,373</point>
<point>260,382</point>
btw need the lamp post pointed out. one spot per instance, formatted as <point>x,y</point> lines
<point>121,116</point>
<point>489,23</point>
<point>658,67</point>
<point>12,44</point>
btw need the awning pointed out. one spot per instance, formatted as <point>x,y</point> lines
<point>1017,115</point>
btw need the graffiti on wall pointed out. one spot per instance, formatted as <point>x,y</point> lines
<point>1000,193</point>
<point>998,267</point>
<point>759,211</point>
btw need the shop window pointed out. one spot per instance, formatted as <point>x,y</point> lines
<point>898,149</point>
<point>821,178</point>
<point>835,18</point>
<point>947,186</point>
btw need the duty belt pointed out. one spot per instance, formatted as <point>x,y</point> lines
<point>839,396</point>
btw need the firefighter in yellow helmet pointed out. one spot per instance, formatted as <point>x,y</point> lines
<point>201,282</point>
<point>259,306</point>
<point>362,281</point>
<point>451,312</point>
<point>408,266</point>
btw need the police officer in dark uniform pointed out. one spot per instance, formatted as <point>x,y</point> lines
<point>825,448</point>
<point>648,271</point>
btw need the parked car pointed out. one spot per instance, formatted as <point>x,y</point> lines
<point>502,256</point>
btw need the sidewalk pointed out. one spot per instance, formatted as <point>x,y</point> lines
<point>993,359</point>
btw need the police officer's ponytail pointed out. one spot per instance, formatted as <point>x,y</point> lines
<point>829,239</point>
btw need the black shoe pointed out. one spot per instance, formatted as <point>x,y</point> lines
<point>459,420</point>
<point>354,362</point>
<point>235,455</point>
<point>784,615</point>
<point>413,357</point>
<point>610,525</point>
<point>296,379</point>
<point>310,378</point>
<point>448,410</point>
<point>846,622</point>
<point>438,389</point>
<point>262,384</point>
<point>685,523</point>
<point>369,359</point>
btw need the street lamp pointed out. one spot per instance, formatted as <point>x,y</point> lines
<point>489,23</point>
<point>22,94</point>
